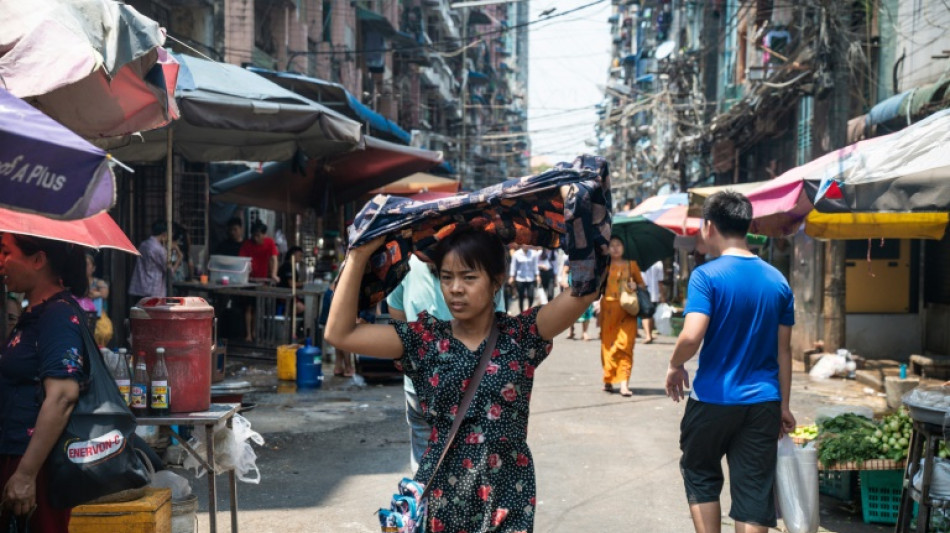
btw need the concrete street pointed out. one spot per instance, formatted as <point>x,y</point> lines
<point>604,463</point>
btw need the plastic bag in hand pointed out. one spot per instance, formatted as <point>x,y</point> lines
<point>796,487</point>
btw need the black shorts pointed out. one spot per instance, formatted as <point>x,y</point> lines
<point>748,436</point>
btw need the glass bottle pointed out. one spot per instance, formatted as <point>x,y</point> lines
<point>139,402</point>
<point>160,391</point>
<point>122,378</point>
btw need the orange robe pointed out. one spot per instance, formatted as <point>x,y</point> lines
<point>618,330</point>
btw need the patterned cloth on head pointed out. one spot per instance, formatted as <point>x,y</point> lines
<point>528,210</point>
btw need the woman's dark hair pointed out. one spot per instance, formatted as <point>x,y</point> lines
<point>730,212</point>
<point>290,253</point>
<point>66,261</point>
<point>476,249</point>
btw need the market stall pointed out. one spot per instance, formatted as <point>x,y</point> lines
<point>896,468</point>
<point>273,324</point>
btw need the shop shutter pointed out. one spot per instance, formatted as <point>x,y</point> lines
<point>937,271</point>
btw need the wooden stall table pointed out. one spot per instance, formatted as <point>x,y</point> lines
<point>270,328</point>
<point>215,414</point>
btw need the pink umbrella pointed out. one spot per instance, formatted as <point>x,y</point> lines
<point>779,206</point>
<point>99,231</point>
<point>670,211</point>
<point>95,66</point>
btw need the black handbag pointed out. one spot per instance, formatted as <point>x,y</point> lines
<point>647,307</point>
<point>93,456</point>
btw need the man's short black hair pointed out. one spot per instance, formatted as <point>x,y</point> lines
<point>258,227</point>
<point>235,221</point>
<point>159,227</point>
<point>730,212</point>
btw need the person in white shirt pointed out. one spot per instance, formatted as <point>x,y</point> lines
<point>525,275</point>
<point>546,262</point>
<point>652,276</point>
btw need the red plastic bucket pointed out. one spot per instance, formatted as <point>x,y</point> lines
<point>185,328</point>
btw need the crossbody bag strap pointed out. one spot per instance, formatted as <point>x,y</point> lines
<point>466,401</point>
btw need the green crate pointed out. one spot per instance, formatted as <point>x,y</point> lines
<point>881,495</point>
<point>836,483</point>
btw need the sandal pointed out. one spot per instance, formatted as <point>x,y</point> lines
<point>337,373</point>
<point>608,388</point>
<point>626,393</point>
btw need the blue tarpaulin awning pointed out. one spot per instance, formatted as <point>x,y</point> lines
<point>337,97</point>
<point>886,110</point>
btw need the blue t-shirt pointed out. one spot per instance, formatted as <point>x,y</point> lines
<point>746,300</point>
<point>46,343</point>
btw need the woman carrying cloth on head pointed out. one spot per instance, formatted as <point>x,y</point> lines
<point>487,481</point>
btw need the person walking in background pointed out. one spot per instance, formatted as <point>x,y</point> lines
<point>652,277</point>
<point>547,260</point>
<point>618,329</point>
<point>742,311</point>
<point>41,367</point>
<point>525,275</point>
<point>148,276</point>
<point>421,291</point>
<point>487,481</point>
<point>264,256</point>
<point>564,281</point>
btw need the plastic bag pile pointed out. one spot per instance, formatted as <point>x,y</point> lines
<point>232,450</point>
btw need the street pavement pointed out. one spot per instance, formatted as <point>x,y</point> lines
<point>604,462</point>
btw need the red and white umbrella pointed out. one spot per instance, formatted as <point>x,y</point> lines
<point>98,231</point>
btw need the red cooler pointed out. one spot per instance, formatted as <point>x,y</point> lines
<point>184,327</point>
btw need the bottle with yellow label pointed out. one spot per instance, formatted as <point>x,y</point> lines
<point>123,379</point>
<point>160,391</point>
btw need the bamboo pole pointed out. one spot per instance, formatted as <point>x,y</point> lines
<point>168,212</point>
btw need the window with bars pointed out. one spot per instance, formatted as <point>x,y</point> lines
<point>191,205</point>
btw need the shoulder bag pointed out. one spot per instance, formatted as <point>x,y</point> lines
<point>93,456</point>
<point>407,512</point>
<point>629,301</point>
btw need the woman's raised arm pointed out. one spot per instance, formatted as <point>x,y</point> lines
<point>342,331</point>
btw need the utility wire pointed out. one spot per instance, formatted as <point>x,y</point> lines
<point>453,42</point>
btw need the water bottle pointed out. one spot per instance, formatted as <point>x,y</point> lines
<point>903,371</point>
<point>309,366</point>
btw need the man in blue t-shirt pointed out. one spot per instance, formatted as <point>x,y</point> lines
<point>742,311</point>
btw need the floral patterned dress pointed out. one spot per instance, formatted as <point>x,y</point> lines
<point>487,481</point>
